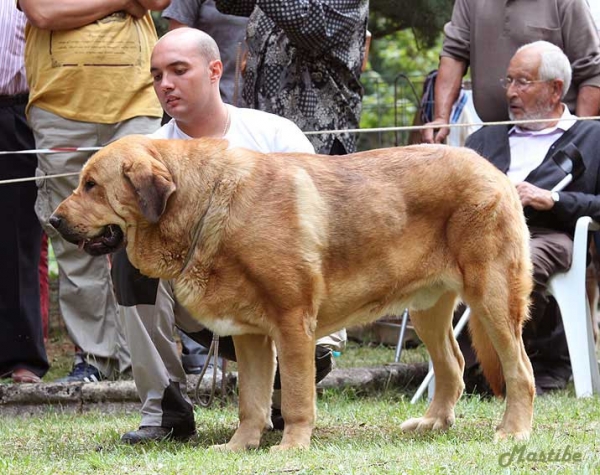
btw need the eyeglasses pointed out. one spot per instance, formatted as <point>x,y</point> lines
<point>520,83</point>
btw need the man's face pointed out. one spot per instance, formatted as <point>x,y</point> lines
<point>182,79</point>
<point>529,100</point>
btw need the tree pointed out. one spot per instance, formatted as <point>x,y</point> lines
<point>398,64</point>
<point>425,18</point>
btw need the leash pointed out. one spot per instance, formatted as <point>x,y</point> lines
<point>206,400</point>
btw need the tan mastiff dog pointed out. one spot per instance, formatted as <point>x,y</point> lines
<point>279,249</point>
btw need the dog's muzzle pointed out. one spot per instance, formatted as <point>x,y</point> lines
<point>109,240</point>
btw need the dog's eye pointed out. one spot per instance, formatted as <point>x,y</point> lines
<point>89,185</point>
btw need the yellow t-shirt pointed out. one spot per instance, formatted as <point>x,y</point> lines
<point>97,73</point>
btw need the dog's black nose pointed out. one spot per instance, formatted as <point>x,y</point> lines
<point>55,221</point>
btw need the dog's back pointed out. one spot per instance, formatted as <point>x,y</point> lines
<point>383,228</point>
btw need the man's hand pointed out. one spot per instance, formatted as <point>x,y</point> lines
<point>446,92</point>
<point>537,198</point>
<point>70,14</point>
<point>435,135</point>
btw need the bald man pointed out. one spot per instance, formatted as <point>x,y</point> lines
<point>186,70</point>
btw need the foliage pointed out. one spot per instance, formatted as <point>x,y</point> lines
<point>425,17</point>
<point>393,85</point>
<point>160,23</point>
<point>52,264</point>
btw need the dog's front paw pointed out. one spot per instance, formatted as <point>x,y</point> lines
<point>234,447</point>
<point>219,447</point>
<point>426,424</point>
<point>246,437</point>
<point>502,434</point>
<point>283,447</point>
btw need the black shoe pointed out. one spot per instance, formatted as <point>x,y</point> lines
<point>323,365</point>
<point>277,419</point>
<point>546,381</point>
<point>475,382</point>
<point>82,373</point>
<point>323,362</point>
<point>155,434</point>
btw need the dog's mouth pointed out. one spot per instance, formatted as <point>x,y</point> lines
<point>109,240</point>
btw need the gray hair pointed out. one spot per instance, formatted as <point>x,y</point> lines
<point>554,63</point>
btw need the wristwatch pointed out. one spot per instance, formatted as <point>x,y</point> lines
<point>555,196</point>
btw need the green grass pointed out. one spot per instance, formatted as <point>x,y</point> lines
<point>354,435</point>
<point>358,355</point>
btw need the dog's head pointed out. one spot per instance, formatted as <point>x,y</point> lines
<point>125,184</point>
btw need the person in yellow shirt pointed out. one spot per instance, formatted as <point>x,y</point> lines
<point>87,66</point>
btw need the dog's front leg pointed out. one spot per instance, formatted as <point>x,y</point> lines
<point>295,351</point>
<point>256,372</point>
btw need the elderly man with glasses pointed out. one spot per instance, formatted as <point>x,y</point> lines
<point>538,76</point>
<point>483,35</point>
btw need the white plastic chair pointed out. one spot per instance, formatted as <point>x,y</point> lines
<point>568,288</point>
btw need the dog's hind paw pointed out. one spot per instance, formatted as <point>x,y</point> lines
<point>427,424</point>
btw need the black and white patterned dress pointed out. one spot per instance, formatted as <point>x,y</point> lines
<point>304,63</point>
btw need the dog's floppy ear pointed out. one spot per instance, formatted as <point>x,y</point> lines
<point>152,183</point>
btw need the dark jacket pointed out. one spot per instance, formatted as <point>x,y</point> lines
<point>580,198</point>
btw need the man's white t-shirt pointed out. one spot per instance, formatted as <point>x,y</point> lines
<point>254,130</point>
<point>261,132</point>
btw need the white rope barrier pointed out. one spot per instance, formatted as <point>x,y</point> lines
<point>438,126</point>
<point>36,178</point>
<point>314,132</point>
<point>50,150</point>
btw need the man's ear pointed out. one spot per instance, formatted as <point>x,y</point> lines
<point>152,182</point>
<point>558,85</point>
<point>215,68</point>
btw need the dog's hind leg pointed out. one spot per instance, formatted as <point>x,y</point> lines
<point>434,327</point>
<point>295,351</point>
<point>256,373</point>
<point>496,323</point>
